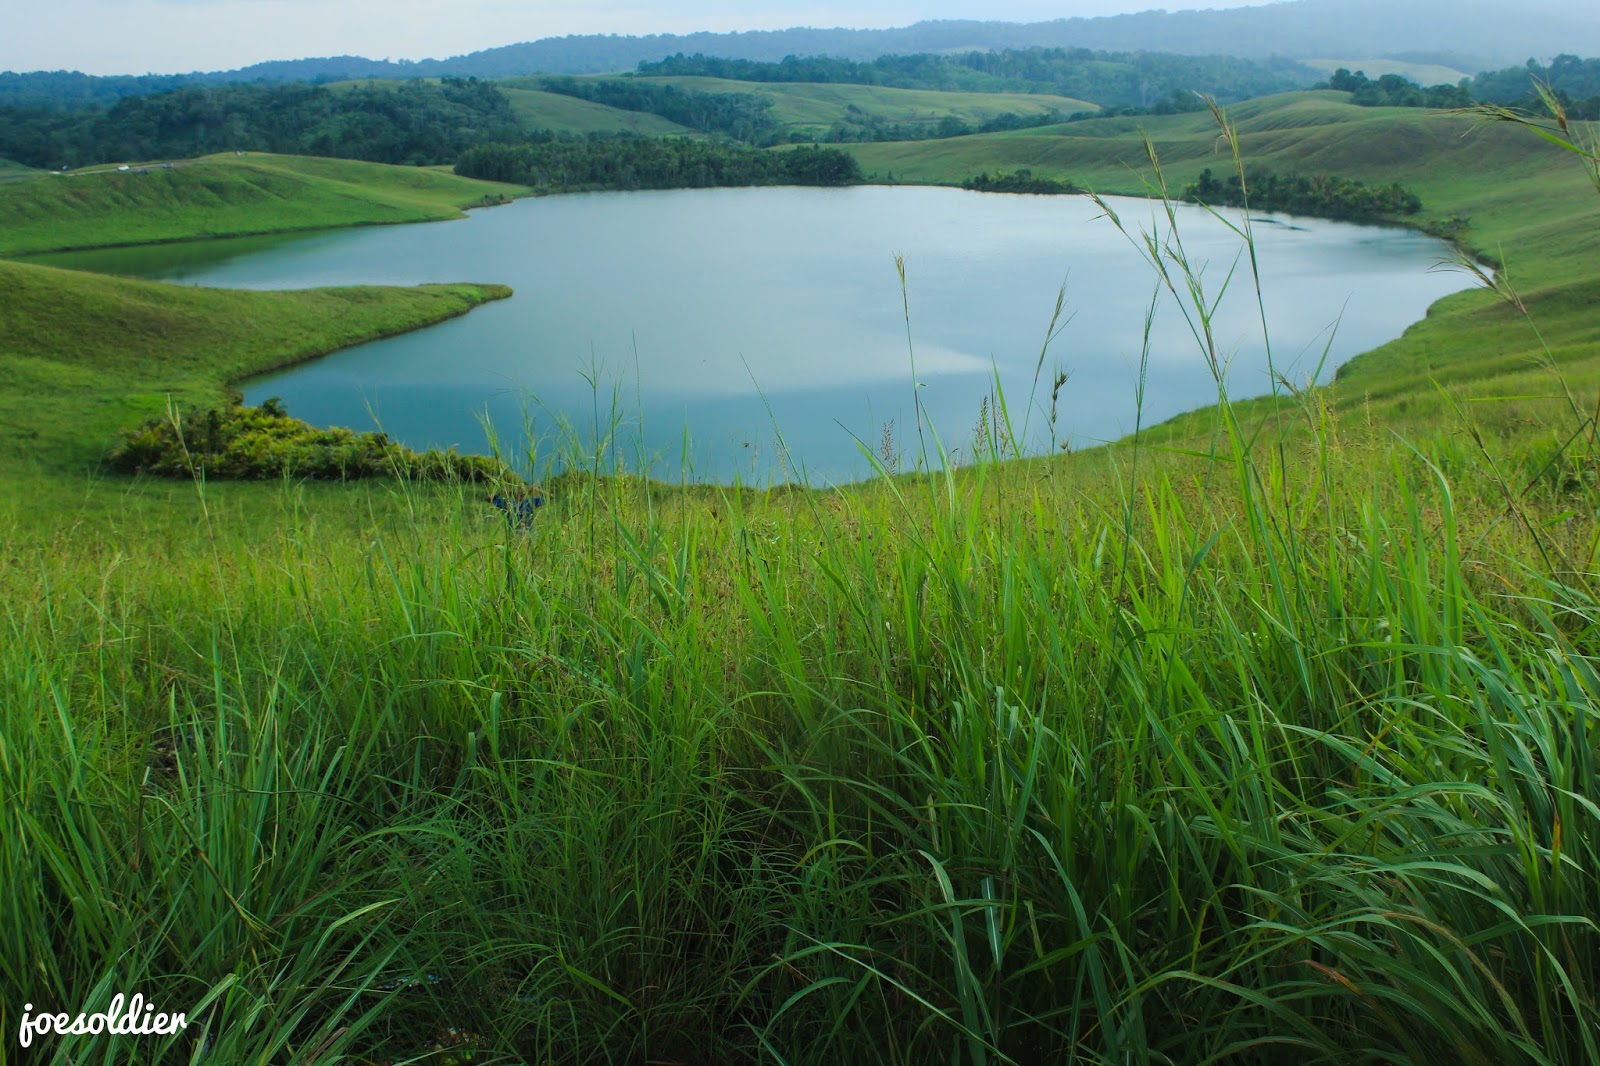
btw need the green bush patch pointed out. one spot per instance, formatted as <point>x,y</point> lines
<point>1019,181</point>
<point>255,443</point>
<point>1322,195</point>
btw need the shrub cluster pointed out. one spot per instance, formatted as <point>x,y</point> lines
<point>1021,180</point>
<point>1321,195</point>
<point>253,443</point>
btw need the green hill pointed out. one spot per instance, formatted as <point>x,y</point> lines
<point>226,196</point>
<point>538,110</point>
<point>83,356</point>
<point>10,171</point>
<point>810,109</point>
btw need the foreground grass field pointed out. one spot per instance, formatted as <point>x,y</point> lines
<point>1183,763</point>
<point>1276,748</point>
<point>227,196</point>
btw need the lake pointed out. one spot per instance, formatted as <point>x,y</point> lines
<point>761,334</point>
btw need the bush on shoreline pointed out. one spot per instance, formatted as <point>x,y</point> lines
<point>1021,180</point>
<point>256,443</point>
<point>1321,195</point>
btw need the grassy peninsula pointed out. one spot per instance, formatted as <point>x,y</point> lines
<point>1258,739</point>
<point>226,196</point>
<point>85,356</point>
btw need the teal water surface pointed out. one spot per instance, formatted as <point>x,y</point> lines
<point>761,334</point>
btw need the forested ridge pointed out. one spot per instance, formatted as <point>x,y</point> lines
<point>625,161</point>
<point>1110,79</point>
<point>414,122</point>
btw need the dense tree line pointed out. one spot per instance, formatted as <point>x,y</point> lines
<point>628,161</point>
<point>1575,81</point>
<point>742,116</point>
<point>1111,79</point>
<point>862,127</point>
<point>1022,180</point>
<point>1392,90</point>
<point>68,89</point>
<point>899,72</point>
<point>1321,195</point>
<point>409,122</point>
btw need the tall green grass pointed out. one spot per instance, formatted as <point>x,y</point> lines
<point>1278,749</point>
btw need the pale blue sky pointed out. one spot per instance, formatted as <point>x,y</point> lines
<point>177,36</point>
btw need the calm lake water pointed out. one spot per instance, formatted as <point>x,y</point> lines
<point>697,327</point>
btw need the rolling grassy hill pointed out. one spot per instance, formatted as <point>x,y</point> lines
<point>10,171</point>
<point>83,356</point>
<point>813,108</point>
<point>225,196</point>
<point>539,110</point>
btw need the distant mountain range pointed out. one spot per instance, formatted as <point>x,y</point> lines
<point>1468,35</point>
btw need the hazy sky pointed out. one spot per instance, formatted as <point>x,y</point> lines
<point>178,36</point>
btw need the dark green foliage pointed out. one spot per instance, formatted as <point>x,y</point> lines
<point>1019,181</point>
<point>255,443</point>
<point>738,115</point>
<point>67,89</point>
<point>410,123</point>
<point>1111,79</point>
<point>601,161</point>
<point>1576,83</point>
<point>1321,195</point>
<point>1392,90</point>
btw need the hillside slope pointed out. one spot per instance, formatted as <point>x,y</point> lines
<point>82,356</point>
<point>224,196</point>
<point>539,110</point>
<point>806,108</point>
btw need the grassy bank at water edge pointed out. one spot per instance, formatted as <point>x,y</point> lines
<point>226,196</point>
<point>83,356</point>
